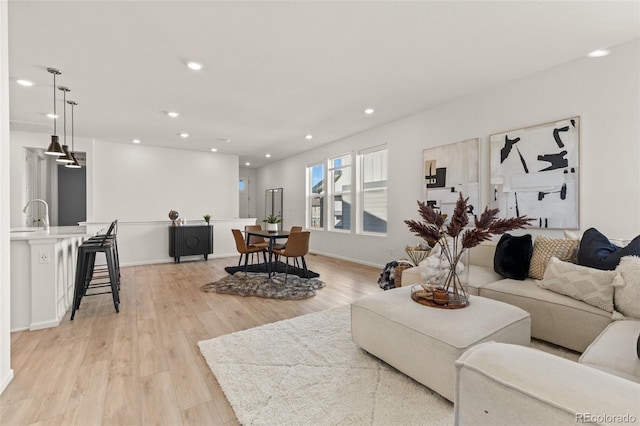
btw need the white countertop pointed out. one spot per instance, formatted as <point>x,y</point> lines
<point>54,232</point>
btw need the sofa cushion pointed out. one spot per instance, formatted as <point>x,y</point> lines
<point>501,384</point>
<point>627,299</point>
<point>555,318</point>
<point>615,350</point>
<point>544,248</point>
<point>596,251</point>
<point>592,286</point>
<point>513,256</point>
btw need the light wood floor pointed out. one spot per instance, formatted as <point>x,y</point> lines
<point>143,366</point>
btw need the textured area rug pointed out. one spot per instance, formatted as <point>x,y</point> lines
<point>257,284</point>
<point>279,267</point>
<point>307,370</point>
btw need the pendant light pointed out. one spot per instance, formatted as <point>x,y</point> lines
<point>54,147</point>
<point>75,164</point>
<point>66,158</point>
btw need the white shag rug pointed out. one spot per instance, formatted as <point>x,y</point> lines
<point>307,370</point>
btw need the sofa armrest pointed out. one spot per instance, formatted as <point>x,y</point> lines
<point>503,384</point>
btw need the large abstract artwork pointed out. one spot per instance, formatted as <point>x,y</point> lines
<point>534,172</point>
<point>449,170</point>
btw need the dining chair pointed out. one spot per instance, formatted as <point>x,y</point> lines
<point>291,231</point>
<point>297,247</point>
<point>246,250</point>
<point>255,240</point>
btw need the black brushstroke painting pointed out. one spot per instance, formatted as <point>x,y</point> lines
<point>438,180</point>
<point>562,192</point>
<point>524,163</point>
<point>506,149</point>
<point>556,135</point>
<point>557,161</point>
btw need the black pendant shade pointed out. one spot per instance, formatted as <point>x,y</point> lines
<point>54,147</point>
<point>66,158</point>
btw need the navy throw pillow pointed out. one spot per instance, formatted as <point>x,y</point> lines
<point>513,256</point>
<point>596,251</point>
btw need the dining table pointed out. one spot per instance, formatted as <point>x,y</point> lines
<point>272,236</point>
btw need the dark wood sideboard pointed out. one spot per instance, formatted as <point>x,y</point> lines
<point>190,240</point>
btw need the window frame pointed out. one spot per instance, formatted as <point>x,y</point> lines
<point>361,190</point>
<point>332,193</point>
<point>311,196</point>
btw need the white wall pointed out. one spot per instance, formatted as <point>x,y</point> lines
<point>604,92</point>
<point>6,373</point>
<point>137,182</point>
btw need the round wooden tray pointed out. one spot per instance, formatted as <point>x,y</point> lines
<point>421,297</point>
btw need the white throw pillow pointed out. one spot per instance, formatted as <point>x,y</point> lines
<point>627,298</point>
<point>589,285</point>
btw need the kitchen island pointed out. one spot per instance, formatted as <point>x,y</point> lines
<point>43,264</point>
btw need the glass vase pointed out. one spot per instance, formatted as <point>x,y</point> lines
<point>456,281</point>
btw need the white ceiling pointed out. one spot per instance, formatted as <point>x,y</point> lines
<point>276,71</point>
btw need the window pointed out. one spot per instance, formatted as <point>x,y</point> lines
<point>340,178</point>
<point>373,190</point>
<point>315,196</point>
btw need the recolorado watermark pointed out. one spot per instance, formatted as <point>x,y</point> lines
<point>605,418</point>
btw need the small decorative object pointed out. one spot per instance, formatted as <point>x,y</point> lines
<point>454,240</point>
<point>207,218</point>
<point>272,222</point>
<point>417,254</point>
<point>440,296</point>
<point>173,215</point>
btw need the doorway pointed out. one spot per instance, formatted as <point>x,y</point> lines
<point>72,195</point>
<point>243,188</point>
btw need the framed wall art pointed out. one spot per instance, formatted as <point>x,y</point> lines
<point>535,172</point>
<point>449,170</point>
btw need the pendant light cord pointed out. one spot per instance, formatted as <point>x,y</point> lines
<point>55,117</point>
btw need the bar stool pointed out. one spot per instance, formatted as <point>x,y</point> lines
<point>85,268</point>
<point>111,234</point>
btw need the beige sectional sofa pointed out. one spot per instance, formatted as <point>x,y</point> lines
<point>555,318</point>
<point>505,384</point>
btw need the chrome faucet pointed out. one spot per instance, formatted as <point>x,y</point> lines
<point>45,220</point>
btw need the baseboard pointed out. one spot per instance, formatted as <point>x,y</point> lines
<point>170,260</point>
<point>43,324</point>
<point>348,259</point>
<point>6,380</point>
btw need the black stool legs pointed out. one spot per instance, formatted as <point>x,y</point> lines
<point>85,268</point>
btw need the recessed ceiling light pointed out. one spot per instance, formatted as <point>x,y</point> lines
<point>26,83</point>
<point>268,155</point>
<point>247,163</point>
<point>307,137</point>
<point>184,135</point>
<point>52,116</point>
<point>194,65</point>
<point>173,114</point>
<point>214,149</point>
<point>369,111</point>
<point>598,53</point>
<point>135,140</point>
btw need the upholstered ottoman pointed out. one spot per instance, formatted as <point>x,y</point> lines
<point>424,342</point>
